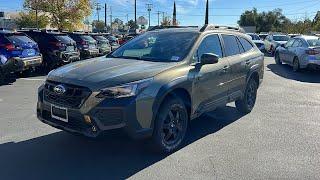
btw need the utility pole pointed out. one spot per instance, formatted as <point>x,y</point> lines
<point>207,13</point>
<point>174,20</point>
<point>149,8</point>
<point>37,22</point>
<point>135,11</point>
<point>110,19</point>
<point>158,13</point>
<point>127,16</point>
<point>98,8</point>
<point>105,15</point>
<point>163,16</point>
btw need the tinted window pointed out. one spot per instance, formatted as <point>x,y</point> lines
<point>18,38</point>
<point>246,44</point>
<point>63,38</point>
<point>210,44</point>
<point>230,45</point>
<point>254,36</point>
<point>87,38</point>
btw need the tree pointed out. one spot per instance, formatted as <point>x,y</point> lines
<point>64,14</point>
<point>132,25</point>
<point>28,20</point>
<point>248,18</point>
<point>98,26</point>
<point>166,21</point>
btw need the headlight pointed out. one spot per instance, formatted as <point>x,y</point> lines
<point>126,90</point>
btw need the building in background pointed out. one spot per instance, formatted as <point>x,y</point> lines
<point>7,20</point>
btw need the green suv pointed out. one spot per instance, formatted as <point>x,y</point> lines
<point>155,84</point>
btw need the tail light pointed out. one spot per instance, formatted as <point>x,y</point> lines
<point>312,52</point>
<point>57,44</point>
<point>10,47</point>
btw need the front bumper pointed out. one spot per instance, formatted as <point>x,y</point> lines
<point>30,62</point>
<point>89,52</point>
<point>104,50</point>
<point>105,115</point>
<point>68,57</point>
<point>12,65</point>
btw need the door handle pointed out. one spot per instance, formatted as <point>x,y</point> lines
<point>225,68</point>
<point>248,62</point>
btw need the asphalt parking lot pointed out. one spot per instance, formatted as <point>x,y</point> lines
<point>280,139</point>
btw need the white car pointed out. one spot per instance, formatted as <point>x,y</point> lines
<point>273,41</point>
<point>256,39</point>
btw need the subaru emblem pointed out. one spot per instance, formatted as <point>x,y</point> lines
<point>59,89</point>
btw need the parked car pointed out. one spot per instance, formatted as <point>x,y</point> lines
<point>114,42</point>
<point>154,89</point>
<point>57,48</point>
<point>263,35</point>
<point>273,41</point>
<point>8,66</point>
<point>256,39</point>
<point>103,44</point>
<point>87,46</point>
<point>18,46</point>
<point>300,52</point>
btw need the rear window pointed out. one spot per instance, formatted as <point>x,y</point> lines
<point>18,38</point>
<point>314,42</point>
<point>100,38</point>
<point>87,38</point>
<point>63,38</point>
<point>254,37</point>
<point>230,45</point>
<point>281,38</point>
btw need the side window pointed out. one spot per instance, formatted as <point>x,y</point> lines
<point>210,44</point>
<point>245,44</point>
<point>296,43</point>
<point>230,45</point>
<point>289,43</point>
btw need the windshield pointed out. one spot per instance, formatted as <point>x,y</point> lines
<point>87,38</point>
<point>254,37</point>
<point>64,38</point>
<point>100,38</point>
<point>158,46</point>
<point>314,42</point>
<point>19,38</point>
<point>280,38</point>
<point>112,38</point>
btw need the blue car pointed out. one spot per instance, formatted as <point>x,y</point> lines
<point>18,49</point>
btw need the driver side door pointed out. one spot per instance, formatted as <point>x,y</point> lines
<point>210,86</point>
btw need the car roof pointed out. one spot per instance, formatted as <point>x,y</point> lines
<point>306,37</point>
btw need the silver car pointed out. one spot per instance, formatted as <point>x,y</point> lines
<point>273,41</point>
<point>300,52</point>
<point>257,40</point>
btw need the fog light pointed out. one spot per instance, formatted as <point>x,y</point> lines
<point>87,119</point>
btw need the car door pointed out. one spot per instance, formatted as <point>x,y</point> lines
<point>283,52</point>
<point>210,87</point>
<point>238,59</point>
<point>292,50</point>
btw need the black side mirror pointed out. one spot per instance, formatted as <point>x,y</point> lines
<point>209,58</point>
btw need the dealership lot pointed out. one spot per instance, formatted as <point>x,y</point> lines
<point>278,140</point>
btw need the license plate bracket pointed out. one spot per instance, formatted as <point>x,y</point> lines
<point>59,113</point>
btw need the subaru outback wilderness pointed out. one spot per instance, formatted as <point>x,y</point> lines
<point>153,85</point>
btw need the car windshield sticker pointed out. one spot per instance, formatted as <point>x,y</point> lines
<point>175,58</point>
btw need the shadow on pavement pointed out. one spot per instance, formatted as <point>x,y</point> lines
<point>286,71</point>
<point>114,156</point>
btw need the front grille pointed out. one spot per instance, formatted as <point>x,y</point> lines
<point>74,96</point>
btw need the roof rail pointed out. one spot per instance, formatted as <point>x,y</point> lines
<point>209,27</point>
<point>169,27</point>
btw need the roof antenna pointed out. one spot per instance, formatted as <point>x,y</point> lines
<point>207,13</point>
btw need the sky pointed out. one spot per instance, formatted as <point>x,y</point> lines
<point>191,12</point>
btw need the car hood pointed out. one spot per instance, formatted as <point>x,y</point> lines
<point>104,72</point>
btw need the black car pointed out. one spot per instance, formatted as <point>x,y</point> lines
<point>103,44</point>
<point>57,48</point>
<point>87,46</point>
